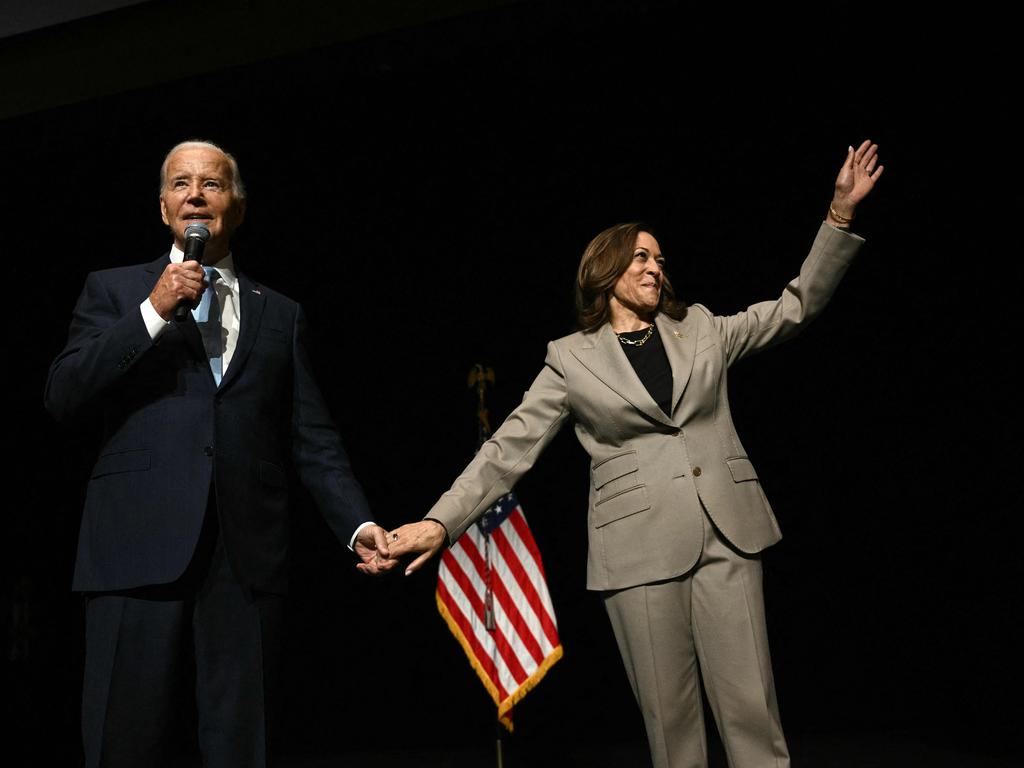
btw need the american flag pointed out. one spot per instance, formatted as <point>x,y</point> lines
<point>492,592</point>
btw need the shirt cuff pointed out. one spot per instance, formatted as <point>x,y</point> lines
<point>352,541</point>
<point>154,323</point>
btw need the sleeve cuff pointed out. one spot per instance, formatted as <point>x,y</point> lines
<point>352,541</point>
<point>844,230</point>
<point>154,323</point>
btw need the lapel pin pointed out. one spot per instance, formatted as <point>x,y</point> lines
<point>677,334</point>
<point>257,291</point>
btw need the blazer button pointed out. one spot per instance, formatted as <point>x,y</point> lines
<point>208,450</point>
<point>696,471</point>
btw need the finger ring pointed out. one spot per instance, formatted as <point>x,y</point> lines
<point>394,537</point>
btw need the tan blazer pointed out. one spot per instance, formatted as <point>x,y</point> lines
<point>652,472</point>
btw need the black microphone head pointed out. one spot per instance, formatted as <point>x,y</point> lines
<point>197,230</point>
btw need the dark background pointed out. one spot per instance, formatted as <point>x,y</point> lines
<point>424,181</point>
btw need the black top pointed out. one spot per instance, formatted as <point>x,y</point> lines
<point>651,364</point>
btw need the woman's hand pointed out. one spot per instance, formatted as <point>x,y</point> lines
<point>426,536</point>
<point>855,181</point>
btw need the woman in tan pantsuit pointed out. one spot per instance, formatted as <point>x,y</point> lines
<point>677,517</point>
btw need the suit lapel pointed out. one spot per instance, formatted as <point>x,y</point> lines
<point>251,300</point>
<point>602,355</point>
<point>680,341</point>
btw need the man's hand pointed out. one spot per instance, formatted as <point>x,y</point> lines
<point>179,282</point>
<point>372,547</point>
<point>426,536</point>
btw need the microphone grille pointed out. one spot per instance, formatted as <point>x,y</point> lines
<point>197,230</point>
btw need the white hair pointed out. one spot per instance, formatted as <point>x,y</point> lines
<point>236,177</point>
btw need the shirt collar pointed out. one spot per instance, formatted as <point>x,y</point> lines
<point>225,267</point>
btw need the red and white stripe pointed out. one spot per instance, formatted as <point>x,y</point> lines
<point>513,657</point>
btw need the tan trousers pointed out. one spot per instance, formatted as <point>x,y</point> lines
<point>712,616</point>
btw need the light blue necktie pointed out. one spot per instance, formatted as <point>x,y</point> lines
<point>207,316</point>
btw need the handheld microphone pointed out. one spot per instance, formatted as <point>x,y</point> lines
<point>196,235</point>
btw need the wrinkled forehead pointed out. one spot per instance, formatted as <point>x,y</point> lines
<point>203,161</point>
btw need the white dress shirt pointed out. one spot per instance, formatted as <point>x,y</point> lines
<point>226,288</point>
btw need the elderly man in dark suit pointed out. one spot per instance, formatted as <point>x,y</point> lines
<point>183,548</point>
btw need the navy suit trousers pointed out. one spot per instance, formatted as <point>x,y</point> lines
<point>180,670</point>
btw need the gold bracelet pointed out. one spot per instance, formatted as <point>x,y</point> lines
<point>837,217</point>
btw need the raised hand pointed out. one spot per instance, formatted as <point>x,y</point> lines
<point>856,179</point>
<point>371,546</point>
<point>426,536</point>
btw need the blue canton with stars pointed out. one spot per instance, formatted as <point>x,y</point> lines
<point>498,512</point>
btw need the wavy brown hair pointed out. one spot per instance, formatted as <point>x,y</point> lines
<point>605,259</point>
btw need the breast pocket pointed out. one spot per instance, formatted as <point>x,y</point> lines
<point>278,335</point>
<point>272,348</point>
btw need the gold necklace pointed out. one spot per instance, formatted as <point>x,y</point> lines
<point>637,342</point>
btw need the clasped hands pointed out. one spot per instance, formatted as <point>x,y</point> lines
<point>381,551</point>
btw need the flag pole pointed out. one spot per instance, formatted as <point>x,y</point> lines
<point>493,594</point>
<point>479,377</point>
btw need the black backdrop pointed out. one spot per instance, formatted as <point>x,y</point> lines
<point>426,193</point>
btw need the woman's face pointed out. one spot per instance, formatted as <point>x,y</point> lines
<point>639,287</point>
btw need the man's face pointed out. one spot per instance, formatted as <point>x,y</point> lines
<point>199,187</point>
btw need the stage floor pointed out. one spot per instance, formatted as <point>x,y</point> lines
<point>868,750</point>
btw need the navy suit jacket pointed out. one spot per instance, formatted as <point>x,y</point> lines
<point>168,432</point>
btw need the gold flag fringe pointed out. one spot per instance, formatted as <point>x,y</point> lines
<point>504,707</point>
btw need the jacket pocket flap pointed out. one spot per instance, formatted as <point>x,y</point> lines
<point>122,461</point>
<point>741,469</point>
<point>620,505</point>
<point>615,467</point>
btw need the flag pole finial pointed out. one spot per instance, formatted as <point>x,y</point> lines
<point>479,377</point>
